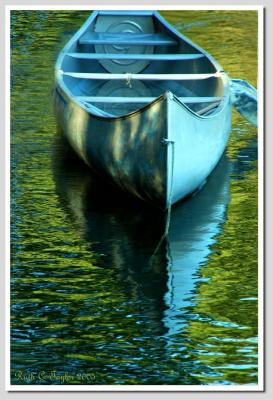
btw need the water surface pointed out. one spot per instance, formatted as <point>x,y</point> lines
<point>88,303</point>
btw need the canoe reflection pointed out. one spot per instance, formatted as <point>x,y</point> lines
<point>194,227</point>
<point>124,233</point>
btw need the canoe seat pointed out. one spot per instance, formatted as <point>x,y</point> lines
<point>122,38</point>
<point>209,108</point>
<point>100,99</point>
<point>97,111</point>
<point>203,106</point>
<point>150,57</point>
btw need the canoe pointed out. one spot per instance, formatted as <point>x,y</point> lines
<point>142,105</point>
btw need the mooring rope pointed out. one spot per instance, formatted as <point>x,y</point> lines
<point>169,201</point>
<point>128,77</point>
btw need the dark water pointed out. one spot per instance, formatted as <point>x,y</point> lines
<point>89,304</point>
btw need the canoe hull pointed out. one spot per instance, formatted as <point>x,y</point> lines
<point>196,144</point>
<point>161,153</point>
<point>128,150</point>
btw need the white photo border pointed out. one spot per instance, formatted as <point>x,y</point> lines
<point>147,388</point>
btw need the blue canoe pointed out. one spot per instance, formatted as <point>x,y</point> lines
<point>143,105</point>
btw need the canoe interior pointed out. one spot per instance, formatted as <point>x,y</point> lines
<point>126,84</point>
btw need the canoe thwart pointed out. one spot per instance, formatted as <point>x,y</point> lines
<point>128,38</point>
<point>151,57</point>
<point>128,77</point>
<point>128,13</point>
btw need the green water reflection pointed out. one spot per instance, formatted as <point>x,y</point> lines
<point>85,298</point>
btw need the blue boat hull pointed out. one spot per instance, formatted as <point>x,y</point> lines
<point>161,153</point>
